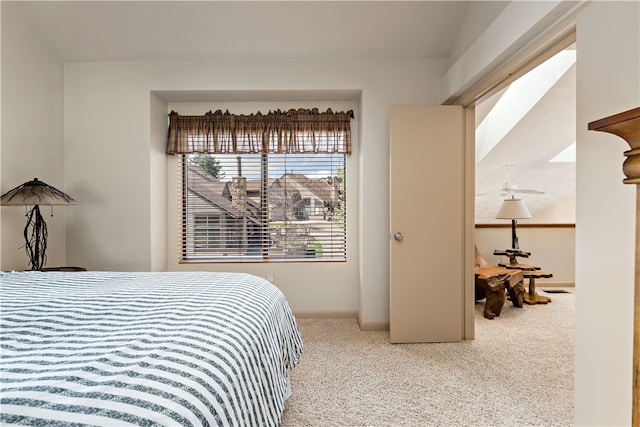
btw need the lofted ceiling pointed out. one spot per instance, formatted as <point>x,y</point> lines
<point>84,31</point>
<point>203,30</point>
<point>530,143</point>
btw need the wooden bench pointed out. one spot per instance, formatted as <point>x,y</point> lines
<point>493,282</point>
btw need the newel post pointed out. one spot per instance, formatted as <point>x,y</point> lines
<point>627,126</point>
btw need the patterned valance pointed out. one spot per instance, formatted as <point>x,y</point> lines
<point>293,131</point>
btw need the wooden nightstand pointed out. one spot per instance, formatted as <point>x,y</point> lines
<point>64,269</point>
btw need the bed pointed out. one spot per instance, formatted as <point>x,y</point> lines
<point>169,349</point>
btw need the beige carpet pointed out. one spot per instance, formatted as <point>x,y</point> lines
<point>518,371</point>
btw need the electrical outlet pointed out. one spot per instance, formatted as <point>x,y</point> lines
<point>270,277</point>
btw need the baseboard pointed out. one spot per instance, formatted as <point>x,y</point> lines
<point>384,326</point>
<point>326,314</point>
<point>545,284</point>
<point>364,326</point>
<point>374,326</point>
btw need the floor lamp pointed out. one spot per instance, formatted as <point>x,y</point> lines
<point>35,193</point>
<point>513,209</point>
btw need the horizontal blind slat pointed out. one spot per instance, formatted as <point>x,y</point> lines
<point>253,206</point>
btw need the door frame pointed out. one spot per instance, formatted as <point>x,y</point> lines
<point>553,41</point>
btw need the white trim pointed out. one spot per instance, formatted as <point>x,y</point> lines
<point>510,52</point>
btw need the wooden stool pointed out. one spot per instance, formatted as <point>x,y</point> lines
<point>532,297</point>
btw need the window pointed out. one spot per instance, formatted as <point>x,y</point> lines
<point>263,207</point>
<point>262,187</point>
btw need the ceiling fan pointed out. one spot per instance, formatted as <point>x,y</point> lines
<point>509,189</point>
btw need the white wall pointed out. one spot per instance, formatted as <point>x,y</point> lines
<point>32,134</point>
<point>608,82</point>
<point>110,165</point>
<point>477,18</point>
<point>159,208</point>
<point>336,294</point>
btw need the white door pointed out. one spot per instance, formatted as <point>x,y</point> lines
<point>427,224</point>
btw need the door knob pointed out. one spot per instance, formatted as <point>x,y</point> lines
<point>398,237</point>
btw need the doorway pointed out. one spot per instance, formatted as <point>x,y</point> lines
<point>525,149</point>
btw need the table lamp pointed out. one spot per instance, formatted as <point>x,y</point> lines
<point>35,193</point>
<point>513,209</point>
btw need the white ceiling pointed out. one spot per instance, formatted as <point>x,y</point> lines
<point>201,30</point>
<point>79,31</point>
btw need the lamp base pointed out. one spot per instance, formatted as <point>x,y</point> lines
<point>35,236</point>
<point>514,238</point>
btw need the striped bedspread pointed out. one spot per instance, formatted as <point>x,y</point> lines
<point>170,349</point>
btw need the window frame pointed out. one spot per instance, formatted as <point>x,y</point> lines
<point>194,255</point>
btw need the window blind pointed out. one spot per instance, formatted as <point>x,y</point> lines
<point>263,206</point>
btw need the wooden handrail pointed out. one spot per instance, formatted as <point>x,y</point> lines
<point>627,126</point>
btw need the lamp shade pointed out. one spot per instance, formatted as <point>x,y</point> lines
<point>513,209</point>
<point>35,193</point>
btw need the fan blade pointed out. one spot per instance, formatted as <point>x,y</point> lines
<point>529,191</point>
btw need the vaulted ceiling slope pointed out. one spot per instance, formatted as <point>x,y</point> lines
<point>203,30</point>
<point>524,128</point>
